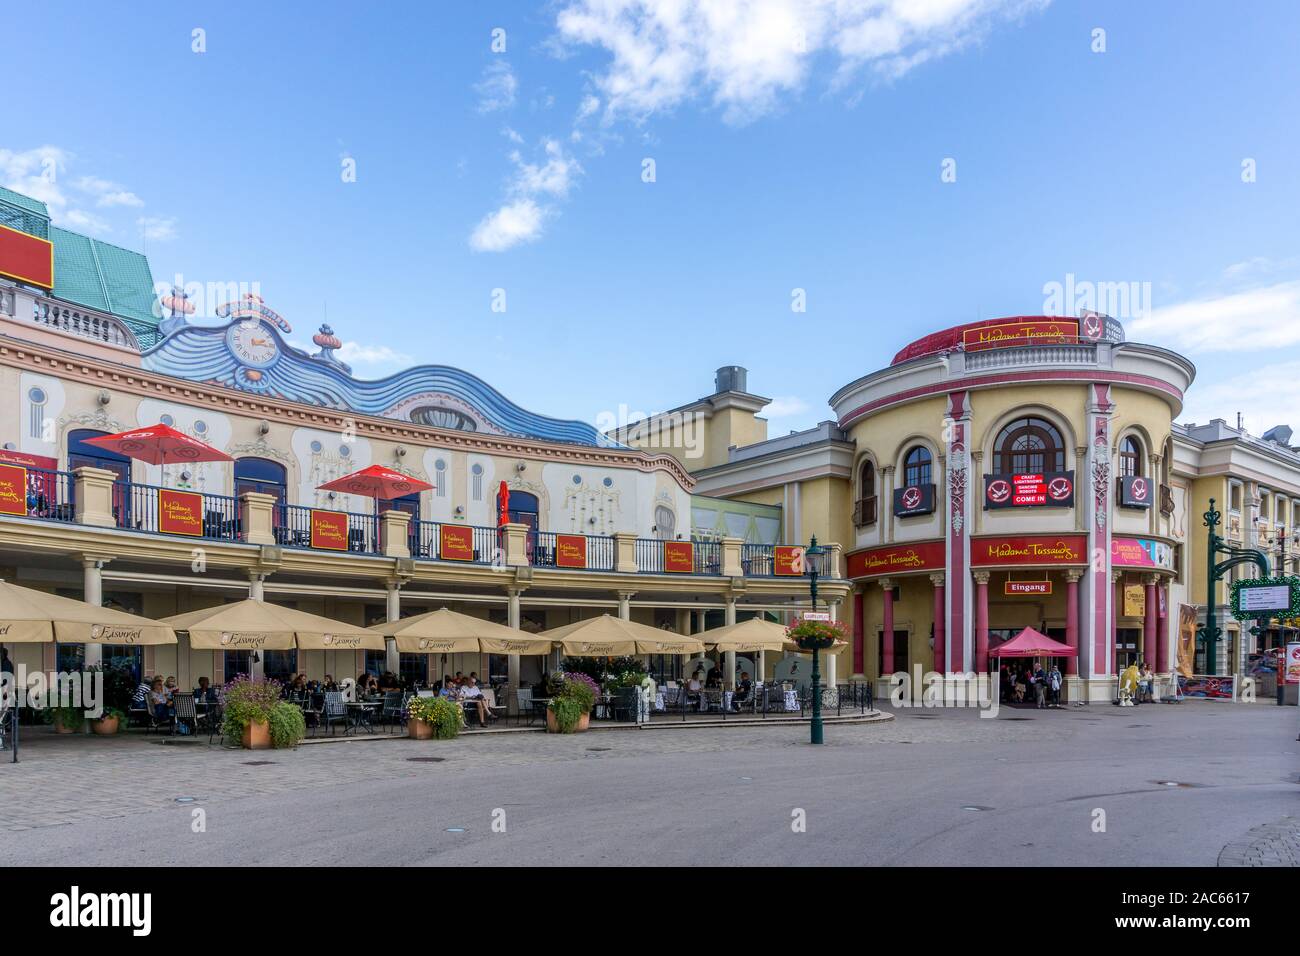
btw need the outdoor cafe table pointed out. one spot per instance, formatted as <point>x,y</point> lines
<point>359,713</point>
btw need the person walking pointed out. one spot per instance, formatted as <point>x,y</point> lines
<point>1039,680</point>
<point>1054,684</point>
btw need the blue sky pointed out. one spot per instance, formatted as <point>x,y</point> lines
<point>792,150</point>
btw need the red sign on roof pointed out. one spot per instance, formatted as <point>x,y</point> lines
<point>26,258</point>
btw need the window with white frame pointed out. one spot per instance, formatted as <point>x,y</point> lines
<point>1234,497</point>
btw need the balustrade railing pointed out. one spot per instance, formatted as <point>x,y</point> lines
<point>299,527</point>
<point>179,511</point>
<point>594,553</point>
<point>49,494</point>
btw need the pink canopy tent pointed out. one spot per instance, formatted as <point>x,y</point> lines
<point>1030,643</point>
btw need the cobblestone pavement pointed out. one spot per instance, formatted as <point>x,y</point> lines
<point>1177,784</point>
<point>1271,844</point>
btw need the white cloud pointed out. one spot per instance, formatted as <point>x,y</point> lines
<point>746,54</point>
<point>513,223</point>
<point>157,228</point>
<point>497,89</point>
<point>1251,320</point>
<point>84,221</point>
<point>1266,395</point>
<point>107,193</point>
<point>521,217</point>
<point>36,173</point>
<point>375,358</point>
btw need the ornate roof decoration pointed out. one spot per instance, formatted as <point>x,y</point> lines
<point>249,354</point>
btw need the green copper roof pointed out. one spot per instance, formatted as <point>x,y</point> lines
<point>24,202</point>
<point>89,272</point>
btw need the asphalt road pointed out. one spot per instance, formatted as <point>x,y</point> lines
<point>931,787</point>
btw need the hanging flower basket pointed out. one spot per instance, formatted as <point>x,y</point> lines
<point>816,635</point>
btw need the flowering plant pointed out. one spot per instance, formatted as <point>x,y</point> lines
<point>442,714</point>
<point>575,696</point>
<point>819,635</point>
<point>247,700</point>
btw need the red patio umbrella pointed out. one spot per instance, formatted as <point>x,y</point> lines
<point>1031,643</point>
<point>159,445</point>
<point>377,482</point>
<point>503,504</point>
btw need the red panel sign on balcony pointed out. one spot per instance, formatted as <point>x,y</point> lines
<point>787,559</point>
<point>26,258</point>
<point>180,512</point>
<point>13,490</point>
<point>570,551</point>
<point>329,530</point>
<point>455,542</point>
<point>679,557</point>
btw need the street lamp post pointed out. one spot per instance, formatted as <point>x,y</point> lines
<point>811,555</point>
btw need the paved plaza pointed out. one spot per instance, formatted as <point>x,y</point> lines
<point>1190,784</point>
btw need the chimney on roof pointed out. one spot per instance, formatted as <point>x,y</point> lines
<point>730,378</point>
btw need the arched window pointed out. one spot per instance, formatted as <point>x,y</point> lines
<point>1029,446</point>
<point>1130,457</point>
<point>80,453</point>
<point>864,514</point>
<point>916,466</point>
<point>665,523</point>
<point>867,480</point>
<point>261,475</point>
<point>523,508</point>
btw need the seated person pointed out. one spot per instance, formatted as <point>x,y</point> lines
<point>205,692</point>
<point>170,687</point>
<point>448,688</point>
<point>140,697</point>
<point>714,680</point>
<point>159,700</point>
<point>743,689</point>
<point>694,688</point>
<point>328,685</point>
<point>472,694</point>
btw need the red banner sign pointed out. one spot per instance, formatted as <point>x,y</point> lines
<point>31,461</point>
<point>570,551</point>
<point>26,258</point>
<point>679,557</point>
<point>180,512</point>
<point>329,530</point>
<point>1040,332</point>
<point>1030,549</point>
<point>455,542</point>
<point>13,490</point>
<point>1027,587</point>
<point>787,559</point>
<point>896,559</point>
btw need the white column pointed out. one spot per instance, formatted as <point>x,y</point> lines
<point>832,658</point>
<point>625,604</point>
<point>512,661</point>
<point>393,612</point>
<point>255,589</point>
<point>94,587</point>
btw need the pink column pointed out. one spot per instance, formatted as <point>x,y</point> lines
<point>859,634</point>
<point>939,631</point>
<point>1162,639</point>
<point>981,622</point>
<point>887,650</point>
<point>1149,625</point>
<point>1072,621</point>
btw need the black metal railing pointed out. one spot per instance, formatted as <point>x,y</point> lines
<point>359,533</point>
<point>50,495</point>
<point>542,549</point>
<point>139,507</point>
<point>487,544</point>
<point>759,561</point>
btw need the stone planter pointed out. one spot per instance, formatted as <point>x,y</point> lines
<point>418,729</point>
<point>553,728</point>
<point>257,735</point>
<point>105,726</point>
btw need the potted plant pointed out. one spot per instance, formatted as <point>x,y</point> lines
<point>117,684</point>
<point>66,720</point>
<point>816,635</point>
<point>257,717</point>
<point>433,718</point>
<point>108,723</point>
<point>569,711</point>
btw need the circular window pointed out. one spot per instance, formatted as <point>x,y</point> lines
<point>440,465</point>
<point>37,396</point>
<point>167,420</point>
<point>577,479</point>
<point>608,482</point>
<point>477,469</point>
<point>344,450</point>
<point>201,426</point>
<point>316,447</point>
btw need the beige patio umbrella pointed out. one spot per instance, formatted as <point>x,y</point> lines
<point>608,636</point>
<point>28,616</point>
<point>749,636</point>
<point>256,625</point>
<point>449,632</point>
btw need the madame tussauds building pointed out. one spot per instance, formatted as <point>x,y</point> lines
<point>1015,473</point>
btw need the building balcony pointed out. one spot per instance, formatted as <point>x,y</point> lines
<point>94,498</point>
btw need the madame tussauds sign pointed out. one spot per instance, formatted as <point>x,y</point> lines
<point>1030,549</point>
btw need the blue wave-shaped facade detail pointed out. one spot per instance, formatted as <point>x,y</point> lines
<point>201,353</point>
